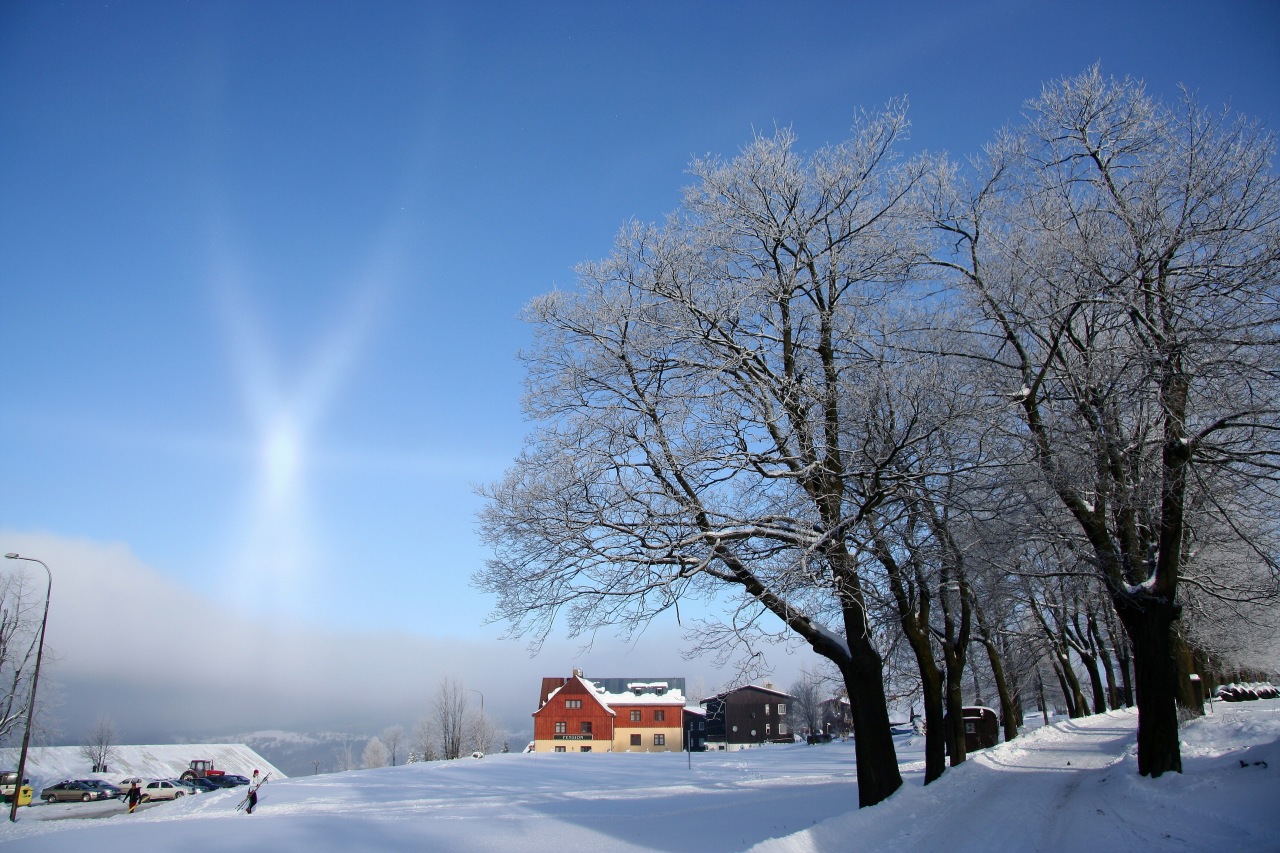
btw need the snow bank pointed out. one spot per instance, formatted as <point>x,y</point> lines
<point>1072,785</point>
<point>47,765</point>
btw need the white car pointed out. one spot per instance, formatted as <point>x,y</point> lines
<point>162,790</point>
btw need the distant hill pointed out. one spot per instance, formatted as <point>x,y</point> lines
<point>47,765</point>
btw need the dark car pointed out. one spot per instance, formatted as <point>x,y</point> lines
<point>222,781</point>
<point>65,792</point>
<point>112,790</point>
<point>236,779</point>
<point>205,785</point>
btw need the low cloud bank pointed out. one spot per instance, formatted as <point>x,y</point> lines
<point>164,662</point>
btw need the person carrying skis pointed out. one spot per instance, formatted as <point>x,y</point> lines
<point>253,792</point>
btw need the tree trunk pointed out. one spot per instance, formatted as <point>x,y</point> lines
<point>1123,660</point>
<point>1113,693</point>
<point>955,707</point>
<point>1068,695</point>
<point>935,728</point>
<point>1095,682</point>
<point>877,760</point>
<point>1008,713</point>
<point>1044,707</point>
<point>1149,623</point>
<point>1186,696</point>
<point>935,745</point>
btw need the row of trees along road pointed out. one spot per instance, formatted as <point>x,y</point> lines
<point>861,399</point>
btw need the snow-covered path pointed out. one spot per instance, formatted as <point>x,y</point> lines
<point>1074,786</point>
<point>1070,787</point>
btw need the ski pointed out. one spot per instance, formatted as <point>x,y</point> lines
<point>253,789</point>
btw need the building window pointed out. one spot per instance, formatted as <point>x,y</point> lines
<point>768,729</point>
<point>585,727</point>
<point>782,712</point>
<point>659,715</point>
<point>573,703</point>
<point>782,728</point>
<point>560,749</point>
<point>586,749</point>
<point>702,725</point>
<point>766,710</point>
<point>659,740</point>
<point>635,740</point>
<point>561,728</point>
<point>635,716</point>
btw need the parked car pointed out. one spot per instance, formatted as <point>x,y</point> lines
<point>113,791</point>
<point>204,785</point>
<point>72,791</point>
<point>188,785</point>
<point>236,779</point>
<point>124,784</point>
<point>162,789</point>
<point>222,781</point>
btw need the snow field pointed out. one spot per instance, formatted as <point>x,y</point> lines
<point>1070,786</point>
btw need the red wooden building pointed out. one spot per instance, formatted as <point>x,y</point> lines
<point>577,715</point>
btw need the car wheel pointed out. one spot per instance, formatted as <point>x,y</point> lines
<point>86,798</point>
<point>48,800</point>
<point>177,794</point>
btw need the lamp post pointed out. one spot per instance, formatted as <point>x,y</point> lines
<point>35,680</point>
<point>473,690</point>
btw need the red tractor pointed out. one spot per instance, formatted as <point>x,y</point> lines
<point>201,768</point>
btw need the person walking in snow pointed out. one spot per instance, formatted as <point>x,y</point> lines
<point>253,792</point>
<point>135,796</point>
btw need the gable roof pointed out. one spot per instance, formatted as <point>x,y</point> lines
<point>575,686</point>
<point>743,689</point>
<point>625,691</point>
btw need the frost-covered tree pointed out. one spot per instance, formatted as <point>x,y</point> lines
<point>20,611</point>
<point>375,754</point>
<point>805,707</point>
<point>392,738</point>
<point>1120,262</point>
<point>344,755</point>
<point>449,714</point>
<point>694,438</point>
<point>425,741</point>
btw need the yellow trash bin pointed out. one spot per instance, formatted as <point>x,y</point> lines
<point>24,796</point>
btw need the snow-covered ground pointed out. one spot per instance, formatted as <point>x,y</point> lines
<point>1070,786</point>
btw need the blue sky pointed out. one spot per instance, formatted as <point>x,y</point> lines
<point>261,262</point>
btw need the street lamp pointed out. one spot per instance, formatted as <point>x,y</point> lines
<point>35,679</point>
<point>473,690</point>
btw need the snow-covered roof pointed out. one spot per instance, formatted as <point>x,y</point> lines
<point>672,697</point>
<point>637,692</point>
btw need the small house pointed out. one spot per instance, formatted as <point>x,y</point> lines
<point>748,716</point>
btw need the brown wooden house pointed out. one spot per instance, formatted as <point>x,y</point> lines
<point>748,716</point>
